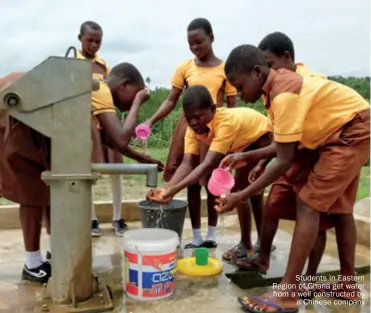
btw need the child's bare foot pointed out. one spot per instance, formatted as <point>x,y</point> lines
<point>238,251</point>
<point>269,303</point>
<point>253,263</point>
<point>306,291</point>
<point>256,247</point>
<point>340,290</point>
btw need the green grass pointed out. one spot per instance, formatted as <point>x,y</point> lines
<point>156,153</point>
<point>364,184</point>
<point>161,154</point>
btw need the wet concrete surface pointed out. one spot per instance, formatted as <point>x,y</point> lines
<point>203,295</point>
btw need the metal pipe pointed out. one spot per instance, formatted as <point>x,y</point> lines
<point>150,170</point>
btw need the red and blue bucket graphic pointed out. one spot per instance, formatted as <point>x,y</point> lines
<point>150,276</point>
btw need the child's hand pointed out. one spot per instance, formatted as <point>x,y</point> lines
<point>227,204</point>
<point>142,95</point>
<point>148,160</point>
<point>158,195</point>
<point>234,161</point>
<point>256,172</point>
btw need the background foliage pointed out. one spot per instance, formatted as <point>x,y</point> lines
<point>162,131</point>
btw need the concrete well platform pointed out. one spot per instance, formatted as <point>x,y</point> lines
<point>207,295</point>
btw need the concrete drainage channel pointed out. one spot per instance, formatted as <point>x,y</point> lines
<point>9,216</point>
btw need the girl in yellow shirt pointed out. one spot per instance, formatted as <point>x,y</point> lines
<point>207,70</point>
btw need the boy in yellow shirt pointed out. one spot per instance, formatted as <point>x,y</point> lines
<point>226,131</point>
<point>21,165</point>
<point>91,35</point>
<point>279,52</point>
<point>310,113</point>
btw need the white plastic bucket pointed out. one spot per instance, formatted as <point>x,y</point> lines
<point>150,261</point>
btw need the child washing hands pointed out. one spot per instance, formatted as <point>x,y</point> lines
<point>226,131</point>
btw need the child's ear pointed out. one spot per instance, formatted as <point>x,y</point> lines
<point>212,38</point>
<point>287,55</point>
<point>79,36</point>
<point>213,108</point>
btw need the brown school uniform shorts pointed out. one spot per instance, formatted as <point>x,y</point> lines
<point>281,201</point>
<point>25,154</point>
<point>332,184</point>
<point>325,179</point>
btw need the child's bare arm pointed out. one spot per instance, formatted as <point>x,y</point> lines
<point>166,107</point>
<point>187,166</point>
<point>231,101</point>
<point>191,177</point>
<point>283,161</point>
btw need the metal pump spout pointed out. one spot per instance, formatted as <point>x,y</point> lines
<point>150,170</point>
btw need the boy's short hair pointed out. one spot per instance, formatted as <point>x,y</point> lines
<point>92,25</point>
<point>128,71</point>
<point>197,97</point>
<point>243,59</point>
<point>201,23</point>
<point>277,43</point>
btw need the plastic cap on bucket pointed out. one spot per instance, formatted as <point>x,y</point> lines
<point>202,256</point>
<point>142,132</point>
<point>220,182</point>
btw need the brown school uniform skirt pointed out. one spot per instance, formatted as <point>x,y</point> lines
<point>325,179</point>
<point>25,154</point>
<point>176,151</point>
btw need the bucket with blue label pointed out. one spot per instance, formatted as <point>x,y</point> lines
<point>150,263</point>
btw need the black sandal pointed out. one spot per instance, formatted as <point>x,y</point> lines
<point>238,251</point>
<point>191,246</point>
<point>209,244</point>
<point>249,264</point>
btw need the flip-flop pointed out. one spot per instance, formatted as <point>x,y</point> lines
<point>259,300</point>
<point>248,264</point>
<point>209,244</point>
<point>191,246</point>
<point>257,248</point>
<point>238,251</point>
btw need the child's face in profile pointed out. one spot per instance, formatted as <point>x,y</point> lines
<point>277,62</point>
<point>249,86</point>
<point>198,118</point>
<point>91,41</point>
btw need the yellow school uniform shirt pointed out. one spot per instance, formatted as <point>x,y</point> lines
<point>101,101</point>
<point>231,130</point>
<point>308,109</point>
<point>190,74</point>
<point>304,71</point>
<point>97,60</point>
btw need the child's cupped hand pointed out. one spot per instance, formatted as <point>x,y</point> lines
<point>233,161</point>
<point>255,173</point>
<point>159,195</point>
<point>227,204</point>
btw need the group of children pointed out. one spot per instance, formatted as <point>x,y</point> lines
<point>317,131</point>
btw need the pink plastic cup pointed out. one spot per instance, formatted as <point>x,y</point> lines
<point>221,181</point>
<point>142,132</point>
